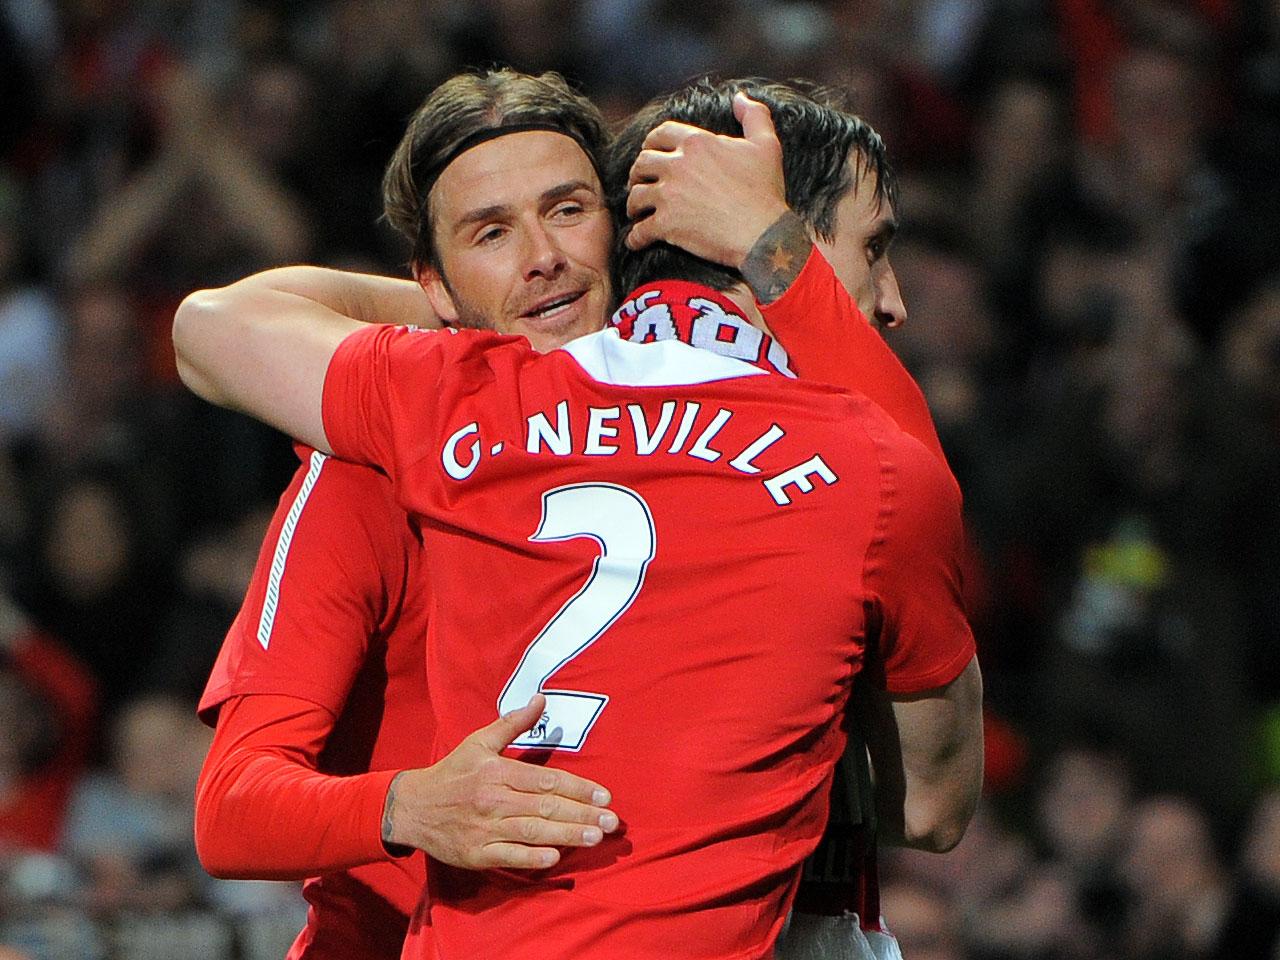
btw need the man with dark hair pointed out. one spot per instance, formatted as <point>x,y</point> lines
<point>475,397</point>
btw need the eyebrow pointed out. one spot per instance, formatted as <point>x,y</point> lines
<point>498,211</point>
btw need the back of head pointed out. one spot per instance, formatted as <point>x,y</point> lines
<point>825,149</point>
<point>463,111</point>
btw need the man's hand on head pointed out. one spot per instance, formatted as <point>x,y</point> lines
<point>712,195</point>
<point>480,810</point>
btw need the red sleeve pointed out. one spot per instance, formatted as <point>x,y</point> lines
<point>830,340</point>
<point>377,395</point>
<point>262,810</point>
<point>916,616</point>
<point>330,574</point>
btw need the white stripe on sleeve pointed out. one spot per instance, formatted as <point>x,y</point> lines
<point>268,618</point>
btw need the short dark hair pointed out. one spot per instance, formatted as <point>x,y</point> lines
<point>818,138</point>
<point>462,108</point>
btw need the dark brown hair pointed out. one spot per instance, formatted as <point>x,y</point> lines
<point>457,114</point>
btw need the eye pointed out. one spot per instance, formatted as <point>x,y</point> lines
<point>567,210</point>
<point>490,235</point>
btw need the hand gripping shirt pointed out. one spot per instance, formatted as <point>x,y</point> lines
<point>335,617</point>
<point>688,556</point>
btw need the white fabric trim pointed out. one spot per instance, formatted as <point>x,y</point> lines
<point>810,937</point>
<point>607,358</point>
<point>267,618</point>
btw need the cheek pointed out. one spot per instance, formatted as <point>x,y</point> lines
<point>854,273</point>
<point>593,243</point>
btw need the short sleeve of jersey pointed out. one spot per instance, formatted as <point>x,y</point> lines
<point>330,572</point>
<point>380,381</point>
<point>830,340</point>
<point>920,637</point>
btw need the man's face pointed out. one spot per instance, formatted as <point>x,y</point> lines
<point>859,251</point>
<point>523,238</point>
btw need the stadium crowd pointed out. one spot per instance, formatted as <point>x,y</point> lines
<point>1091,204</point>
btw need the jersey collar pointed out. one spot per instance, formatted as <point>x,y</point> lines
<point>699,316</point>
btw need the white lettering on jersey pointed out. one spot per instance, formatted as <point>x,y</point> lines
<point>798,476</point>
<point>653,320</point>
<point>619,520</point>
<point>647,440</point>
<point>779,360</point>
<point>686,424</point>
<point>597,431</point>
<point>449,455</point>
<point>701,448</point>
<point>743,461</point>
<point>712,320</point>
<point>540,432</point>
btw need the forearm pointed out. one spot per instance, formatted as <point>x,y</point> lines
<point>364,297</point>
<point>926,753</point>
<point>263,344</point>
<point>263,810</point>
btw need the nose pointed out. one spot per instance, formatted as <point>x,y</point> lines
<point>542,255</point>
<point>890,310</point>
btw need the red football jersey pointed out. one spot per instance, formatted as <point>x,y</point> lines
<point>336,614</point>
<point>687,556</point>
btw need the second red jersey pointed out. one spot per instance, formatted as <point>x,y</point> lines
<point>686,555</point>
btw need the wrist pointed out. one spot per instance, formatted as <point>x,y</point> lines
<point>389,834</point>
<point>777,257</point>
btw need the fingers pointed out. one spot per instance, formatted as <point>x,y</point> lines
<point>515,856</point>
<point>642,199</point>
<point>498,735</point>
<point>650,165</point>
<point>643,232</point>
<point>535,832</point>
<point>756,120</point>
<point>533,779</point>
<point>558,810</point>
<point>669,135</point>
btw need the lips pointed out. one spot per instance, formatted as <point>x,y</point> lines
<point>550,305</point>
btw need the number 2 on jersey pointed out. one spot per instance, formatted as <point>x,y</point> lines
<point>619,520</point>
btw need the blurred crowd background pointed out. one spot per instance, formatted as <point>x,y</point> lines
<point>1091,264</point>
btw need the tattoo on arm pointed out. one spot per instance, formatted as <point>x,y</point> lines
<point>387,807</point>
<point>777,258</point>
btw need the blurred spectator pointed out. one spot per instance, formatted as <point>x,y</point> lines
<point>48,706</point>
<point>923,921</point>
<point>1181,892</point>
<point>131,824</point>
<point>89,580</point>
<point>29,327</point>
<point>215,572</point>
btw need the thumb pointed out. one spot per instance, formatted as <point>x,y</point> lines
<point>499,734</point>
<point>756,120</point>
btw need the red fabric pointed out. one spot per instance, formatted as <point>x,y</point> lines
<point>693,314</point>
<point>722,672</point>
<point>831,341</point>
<point>337,689</point>
<point>264,812</point>
<point>31,814</point>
